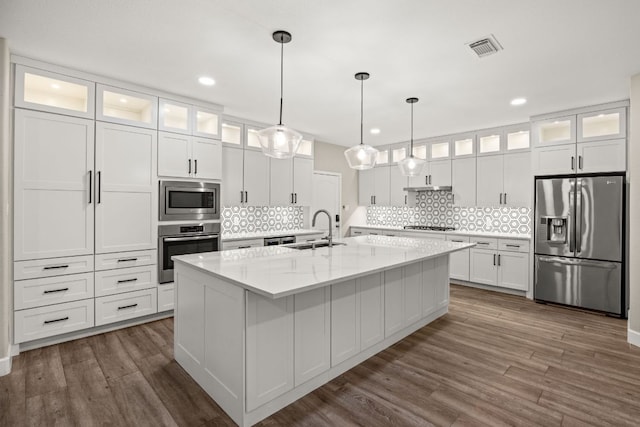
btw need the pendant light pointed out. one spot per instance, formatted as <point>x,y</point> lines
<point>410,165</point>
<point>361,156</point>
<point>280,141</point>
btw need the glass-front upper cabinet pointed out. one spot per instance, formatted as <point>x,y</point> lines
<point>490,141</point>
<point>56,93</point>
<point>556,131</point>
<point>206,122</point>
<point>251,136</point>
<point>383,157</point>
<point>439,150</point>
<point>305,149</point>
<point>420,150</point>
<point>398,154</point>
<point>600,125</point>
<point>127,107</point>
<point>232,133</point>
<point>517,138</point>
<point>464,145</point>
<point>174,117</point>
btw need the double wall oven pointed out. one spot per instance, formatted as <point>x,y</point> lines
<point>192,203</point>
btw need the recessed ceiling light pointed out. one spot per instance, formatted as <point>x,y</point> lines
<point>206,81</point>
<point>55,86</point>
<point>518,101</point>
<point>375,131</point>
<point>123,100</point>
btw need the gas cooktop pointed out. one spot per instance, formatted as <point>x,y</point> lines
<point>428,227</point>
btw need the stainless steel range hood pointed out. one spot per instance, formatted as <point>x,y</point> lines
<point>428,188</point>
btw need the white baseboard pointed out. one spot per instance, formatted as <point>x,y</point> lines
<point>5,363</point>
<point>633,337</point>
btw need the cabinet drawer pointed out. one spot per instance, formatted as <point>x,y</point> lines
<point>513,245</point>
<point>112,282</point>
<point>357,231</point>
<point>309,237</point>
<point>482,243</point>
<point>125,259</point>
<point>165,297</point>
<point>52,320</point>
<point>115,308</point>
<point>458,239</point>
<point>52,267</point>
<point>52,290</point>
<point>242,244</point>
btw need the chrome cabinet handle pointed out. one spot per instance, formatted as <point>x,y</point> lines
<point>580,162</point>
<point>53,291</point>
<point>505,198</point>
<point>295,198</point>
<point>195,167</point>
<point>494,259</point>
<point>246,197</point>
<point>90,185</point>
<point>99,186</point>
<point>128,280</point>
<point>426,180</point>
<point>241,196</point>
<point>573,163</point>
<point>53,267</point>
<point>500,198</point>
<point>482,243</point>
<point>291,198</point>
<point>46,322</point>
<point>127,306</point>
<point>127,259</point>
<point>189,161</point>
<point>498,259</point>
<point>512,246</point>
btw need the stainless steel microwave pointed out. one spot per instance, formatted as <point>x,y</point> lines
<point>189,200</point>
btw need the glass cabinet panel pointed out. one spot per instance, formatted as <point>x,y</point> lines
<point>439,150</point>
<point>609,124</point>
<point>463,147</point>
<point>252,137</point>
<point>383,157</point>
<point>232,133</point>
<point>305,148</point>
<point>174,117</point>
<point>45,91</point>
<point>489,144</point>
<point>123,106</point>
<point>518,140</point>
<point>555,131</point>
<point>398,154</point>
<point>420,151</point>
<point>206,123</point>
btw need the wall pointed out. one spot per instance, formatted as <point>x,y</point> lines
<point>330,158</point>
<point>252,219</point>
<point>6,212</point>
<point>634,214</point>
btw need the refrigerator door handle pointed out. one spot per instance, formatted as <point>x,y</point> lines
<point>579,203</point>
<point>570,230</point>
<point>574,261</point>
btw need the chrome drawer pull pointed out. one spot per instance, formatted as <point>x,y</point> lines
<point>53,267</point>
<point>56,290</point>
<point>127,280</point>
<point>458,241</point>
<point>244,247</point>
<point>483,243</point>
<point>127,306</point>
<point>46,322</point>
<point>127,259</point>
<point>512,246</point>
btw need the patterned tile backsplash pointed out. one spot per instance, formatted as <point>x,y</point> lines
<point>436,208</point>
<point>236,219</point>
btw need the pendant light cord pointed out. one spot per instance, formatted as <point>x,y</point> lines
<point>361,111</point>
<point>281,77</point>
<point>411,152</point>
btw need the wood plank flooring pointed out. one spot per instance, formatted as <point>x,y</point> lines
<point>494,360</point>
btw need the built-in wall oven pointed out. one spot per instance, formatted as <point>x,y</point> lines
<point>189,200</point>
<point>183,239</point>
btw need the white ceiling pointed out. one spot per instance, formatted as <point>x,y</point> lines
<point>557,54</point>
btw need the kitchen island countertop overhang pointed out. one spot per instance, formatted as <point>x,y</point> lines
<point>279,271</point>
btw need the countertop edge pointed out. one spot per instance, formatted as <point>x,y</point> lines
<point>487,234</point>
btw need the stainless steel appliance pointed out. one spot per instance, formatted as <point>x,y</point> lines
<point>272,241</point>
<point>190,200</point>
<point>183,239</point>
<point>579,241</point>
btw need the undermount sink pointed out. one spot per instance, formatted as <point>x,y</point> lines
<point>313,245</point>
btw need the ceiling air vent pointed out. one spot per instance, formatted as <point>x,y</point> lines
<point>485,46</point>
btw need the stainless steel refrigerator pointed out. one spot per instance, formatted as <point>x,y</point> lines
<point>579,242</point>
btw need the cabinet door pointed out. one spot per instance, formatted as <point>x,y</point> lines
<point>459,261</point>
<point>393,301</point>
<point>489,180</point>
<point>206,122</point>
<point>371,292</point>
<point>556,131</point>
<point>397,196</point>
<point>490,142</point>
<point>126,190</point>
<point>174,117</point>
<point>312,334</point>
<point>281,182</point>
<point>256,178</point>
<point>513,270</point>
<point>440,173</point>
<point>174,155</point>
<point>608,124</point>
<point>345,321</point>
<point>232,173</point>
<point>483,266</point>
<point>428,287</point>
<point>122,106</point>
<point>517,179</point>
<point>463,180</point>
<point>269,348</point>
<point>441,278</point>
<point>602,156</point>
<point>554,160</point>
<point>382,182</point>
<point>207,158</point>
<point>53,210</point>
<point>366,187</point>
<point>303,181</point>
<point>412,293</point>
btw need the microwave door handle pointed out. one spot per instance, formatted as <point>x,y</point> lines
<point>184,239</point>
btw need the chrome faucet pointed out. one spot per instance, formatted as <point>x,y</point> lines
<point>313,224</point>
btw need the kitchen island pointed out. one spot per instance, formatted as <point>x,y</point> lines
<point>259,328</point>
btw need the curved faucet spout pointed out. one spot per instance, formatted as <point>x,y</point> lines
<point>313,224</point>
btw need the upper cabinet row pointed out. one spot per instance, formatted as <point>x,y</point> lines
<point>57,93</point>
<point>236,133</point>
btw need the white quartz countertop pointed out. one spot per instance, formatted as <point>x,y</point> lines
<point>517,236</point>
<point>228,237</point>
<point>279,271</point>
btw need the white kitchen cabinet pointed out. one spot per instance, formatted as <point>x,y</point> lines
<point>374,186</point>
<point>503,263</point>
<point>371,310</point>
<point>245,177</point>
<point>554,131</point>
<point>187,119</point>
<point>517,137</point>
<point>127,107</point>
<point>53,191</point>
<point>412,283</point>
<point>459,261</point>
<point>41,90</point>
<point>393,301</point>
<point>269,348</point>
<point>128,305</point>
<point>464,145</point>
<point>205,122</point>
<point>126,199</point>
<point>366,186</point>
<point>397,182</point>
<point>602,156</point>
<point>463,181</point>
<point>166,298</point>
<point>483,266</point>
<point>504,180</point>
<point>291,181</point>
<point>436,173</point>
<point>490,141</point>
<point>602,125</point>
<point>435,285</point>
<point>42,322</point>
<point>303,181</point>
<point>232,192</point>
<point>184,156</point>
<point>513,269</point>
<point>52,290</point>
<point>554,160</point>
<point>242,244</point>
<point>312,334</point>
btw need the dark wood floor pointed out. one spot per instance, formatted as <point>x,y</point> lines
<point>493,360</point>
